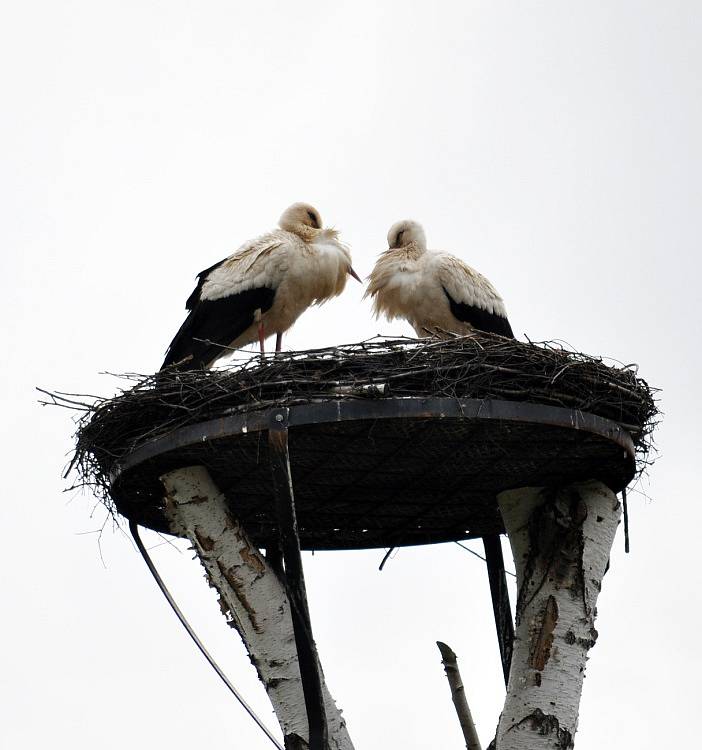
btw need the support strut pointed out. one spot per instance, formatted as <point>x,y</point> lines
<point>500,600</point>
<point>295,580</point>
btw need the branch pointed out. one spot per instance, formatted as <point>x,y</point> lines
<point>458,694</point>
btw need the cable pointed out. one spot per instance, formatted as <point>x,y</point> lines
<point>480,557</point>
<point>134,528</point>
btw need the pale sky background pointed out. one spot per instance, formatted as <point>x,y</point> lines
<point>553,145</point>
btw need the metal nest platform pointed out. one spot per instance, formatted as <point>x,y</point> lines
<point>391,443</point>
<point>382,473</point>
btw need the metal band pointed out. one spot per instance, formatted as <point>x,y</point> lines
<point>342,410</point>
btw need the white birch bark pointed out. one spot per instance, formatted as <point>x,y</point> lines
<point>561,543</point>
<point>251,596</point>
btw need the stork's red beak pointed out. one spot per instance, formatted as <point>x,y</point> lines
<point>354,274</point>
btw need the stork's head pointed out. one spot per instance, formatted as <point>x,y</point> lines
<point>405,233</point>
<point>302,219</point>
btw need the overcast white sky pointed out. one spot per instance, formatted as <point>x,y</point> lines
<point>553,145</point>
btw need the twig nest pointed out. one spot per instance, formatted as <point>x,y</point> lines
<point>406,479</point>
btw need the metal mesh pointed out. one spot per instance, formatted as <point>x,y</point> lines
<point>385,482</point>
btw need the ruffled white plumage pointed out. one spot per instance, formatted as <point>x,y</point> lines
<point>265,286</point>
<point>465,284</point>
<point>431,289</point>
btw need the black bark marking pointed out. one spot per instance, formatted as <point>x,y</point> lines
<point>556,547</point>
<point>294,742</point>
<point>241,594</point>
<point>547,725</point>
<point>206,543</point>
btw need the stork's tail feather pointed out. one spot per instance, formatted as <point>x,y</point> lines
<point>212,325</point>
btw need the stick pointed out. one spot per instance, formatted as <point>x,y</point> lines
<point>458,694</point>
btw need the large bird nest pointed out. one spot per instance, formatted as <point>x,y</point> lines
<point>481,366</point>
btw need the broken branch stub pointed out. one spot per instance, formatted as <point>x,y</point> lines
<point>458,695</point>
<point>251,596</point>
<point>561,542</point>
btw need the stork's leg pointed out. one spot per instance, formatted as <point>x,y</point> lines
<point>278,342</point>
<point>261,336</point>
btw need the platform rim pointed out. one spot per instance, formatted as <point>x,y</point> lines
<point>350,409</point>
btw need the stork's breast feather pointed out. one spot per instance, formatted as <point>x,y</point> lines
<point>325,271</point>
<point>395,285</point>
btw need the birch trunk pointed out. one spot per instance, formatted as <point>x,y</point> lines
<point>561,543</point>
<point>251,596</point>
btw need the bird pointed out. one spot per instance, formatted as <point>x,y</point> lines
<point>436,292</point>
<point>261,289</point>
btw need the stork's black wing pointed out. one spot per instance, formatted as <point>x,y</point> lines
<point>213,324</point>
<point>194,298</point>
<point>480,318</point>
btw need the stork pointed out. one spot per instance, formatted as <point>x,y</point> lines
<point>435,292</point>
<point>261,289</point>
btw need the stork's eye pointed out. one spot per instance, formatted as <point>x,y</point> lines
<point>313,219</point>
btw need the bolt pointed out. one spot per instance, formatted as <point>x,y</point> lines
<point>278,417</point>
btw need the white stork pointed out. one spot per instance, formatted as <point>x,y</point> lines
<point>261,289</point>
<point>434,291</point>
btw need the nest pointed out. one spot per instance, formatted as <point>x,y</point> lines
<point>481,366</point>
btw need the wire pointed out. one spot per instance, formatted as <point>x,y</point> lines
<point>133,527</point>
<point>386,558</point>
<point>480,557</point>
